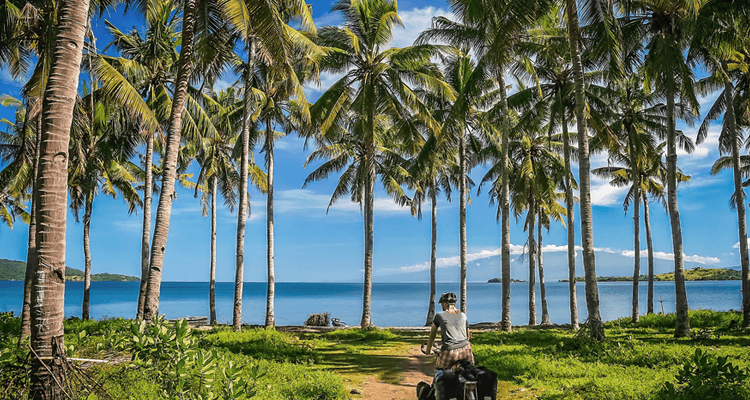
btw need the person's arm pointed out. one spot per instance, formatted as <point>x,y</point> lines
<point>468,332</point>
<point>430,340</point>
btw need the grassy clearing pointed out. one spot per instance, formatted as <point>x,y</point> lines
<point>634,362</point>
<point>638,361</point>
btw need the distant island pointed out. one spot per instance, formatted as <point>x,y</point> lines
<point>695,274</point>
<point>498,280</point>
<point>11,270</point>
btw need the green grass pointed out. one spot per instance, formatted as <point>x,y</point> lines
<point>633,363</point>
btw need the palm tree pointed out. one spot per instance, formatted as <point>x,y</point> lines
<point>721,44</point>
<point>631,140</point>
<point>537,171</point>
<point>667,26</point>
<point>491,29</point>
<point>214,153</point>
<point>601,11</point>
<point>147,66</point>
<point>99,155</point>
<point>47,298</point>
<point>547,210</point>
<point>275,105</point>
<point>18,152</point>
<point>265,35</point>
<point>353,117</point>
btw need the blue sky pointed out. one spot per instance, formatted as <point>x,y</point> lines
<point>313,246</point>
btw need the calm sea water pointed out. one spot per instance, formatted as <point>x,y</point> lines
<point>399,304</point>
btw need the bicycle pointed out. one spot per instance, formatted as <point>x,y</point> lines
<point>470,387</point>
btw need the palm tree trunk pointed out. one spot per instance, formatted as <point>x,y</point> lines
<point>636,239</point>
<point>739,197</point>
<point>584,168</point>
<point>505,209</point>
<point>570,209</point>
<point>369,219</point>
<point>433,259</point>
<point>146,230</point>
<point>31,257</point>
<point>86,256</point>
<point>462,217</point>
<point>48,283</point>
<point>164,208</point>
<point>270,319</point>
<point>682,325</point>
<point>532,269</point>
<point>212,273</point>
<point>242,212</point>
<point>540,266</point>
<point>650,249</point>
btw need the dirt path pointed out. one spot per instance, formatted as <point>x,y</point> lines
<point>416,367</point>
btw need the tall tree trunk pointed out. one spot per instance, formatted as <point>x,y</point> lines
<point>540,266</point>
<point>532,269</point>
<point>739,197</point>
<point>212,273</point>
<point>31,258</point>
<point>571,231</point>
<point>462,217</point>
<point>270,319</point>
<point>369,219</point>
<point>89,206</point>
<point>650,249</point>
<point>584,180</point>
<point>433,258</point>
<point>169,174</point>
<point>242,212</point>
<point>636,238</point>
<point>48,283</point>
<point>682,323</point>
<point>146,230</point>
<point>505,209</point>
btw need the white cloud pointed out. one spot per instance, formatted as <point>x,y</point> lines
<point>604,194</point>
<point>737,245</point>
<point>415,22</point>
<point>446,262</point>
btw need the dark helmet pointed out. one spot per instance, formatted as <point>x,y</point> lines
<point>448,297</point>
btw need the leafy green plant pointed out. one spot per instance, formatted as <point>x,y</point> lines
<point>706,376</point>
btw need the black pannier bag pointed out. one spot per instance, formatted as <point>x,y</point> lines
<point>425,391</point>
<point>486,380</point>
<point>448,386</point>
<point>486,384</point>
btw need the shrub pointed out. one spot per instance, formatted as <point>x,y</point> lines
<point>706,376</point>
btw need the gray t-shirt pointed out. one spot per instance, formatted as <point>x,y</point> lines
<point>454,329</point>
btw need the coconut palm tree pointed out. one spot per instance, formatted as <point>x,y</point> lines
<point>631,139</point>
<point>490,29</point>
<point>353,117</point>
<point>146,65</point>
<point>266,36</point>
<point>47,298</point>
<point>214,153</point>
<point>720,43</point>
<point>667,25</point>
<point>99,154</point>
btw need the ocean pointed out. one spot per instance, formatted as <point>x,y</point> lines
<point>393,304</point>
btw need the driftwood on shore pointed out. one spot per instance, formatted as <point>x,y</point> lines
<point>323,319</point>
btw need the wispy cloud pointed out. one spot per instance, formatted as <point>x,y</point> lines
<point>304,200</point>
<point>128,225</point>
<point>447,262</point>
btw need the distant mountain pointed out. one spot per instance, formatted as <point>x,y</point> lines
<point>11,270</point>
<point>555,268</point>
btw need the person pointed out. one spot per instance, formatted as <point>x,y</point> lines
<point>454,330</point>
